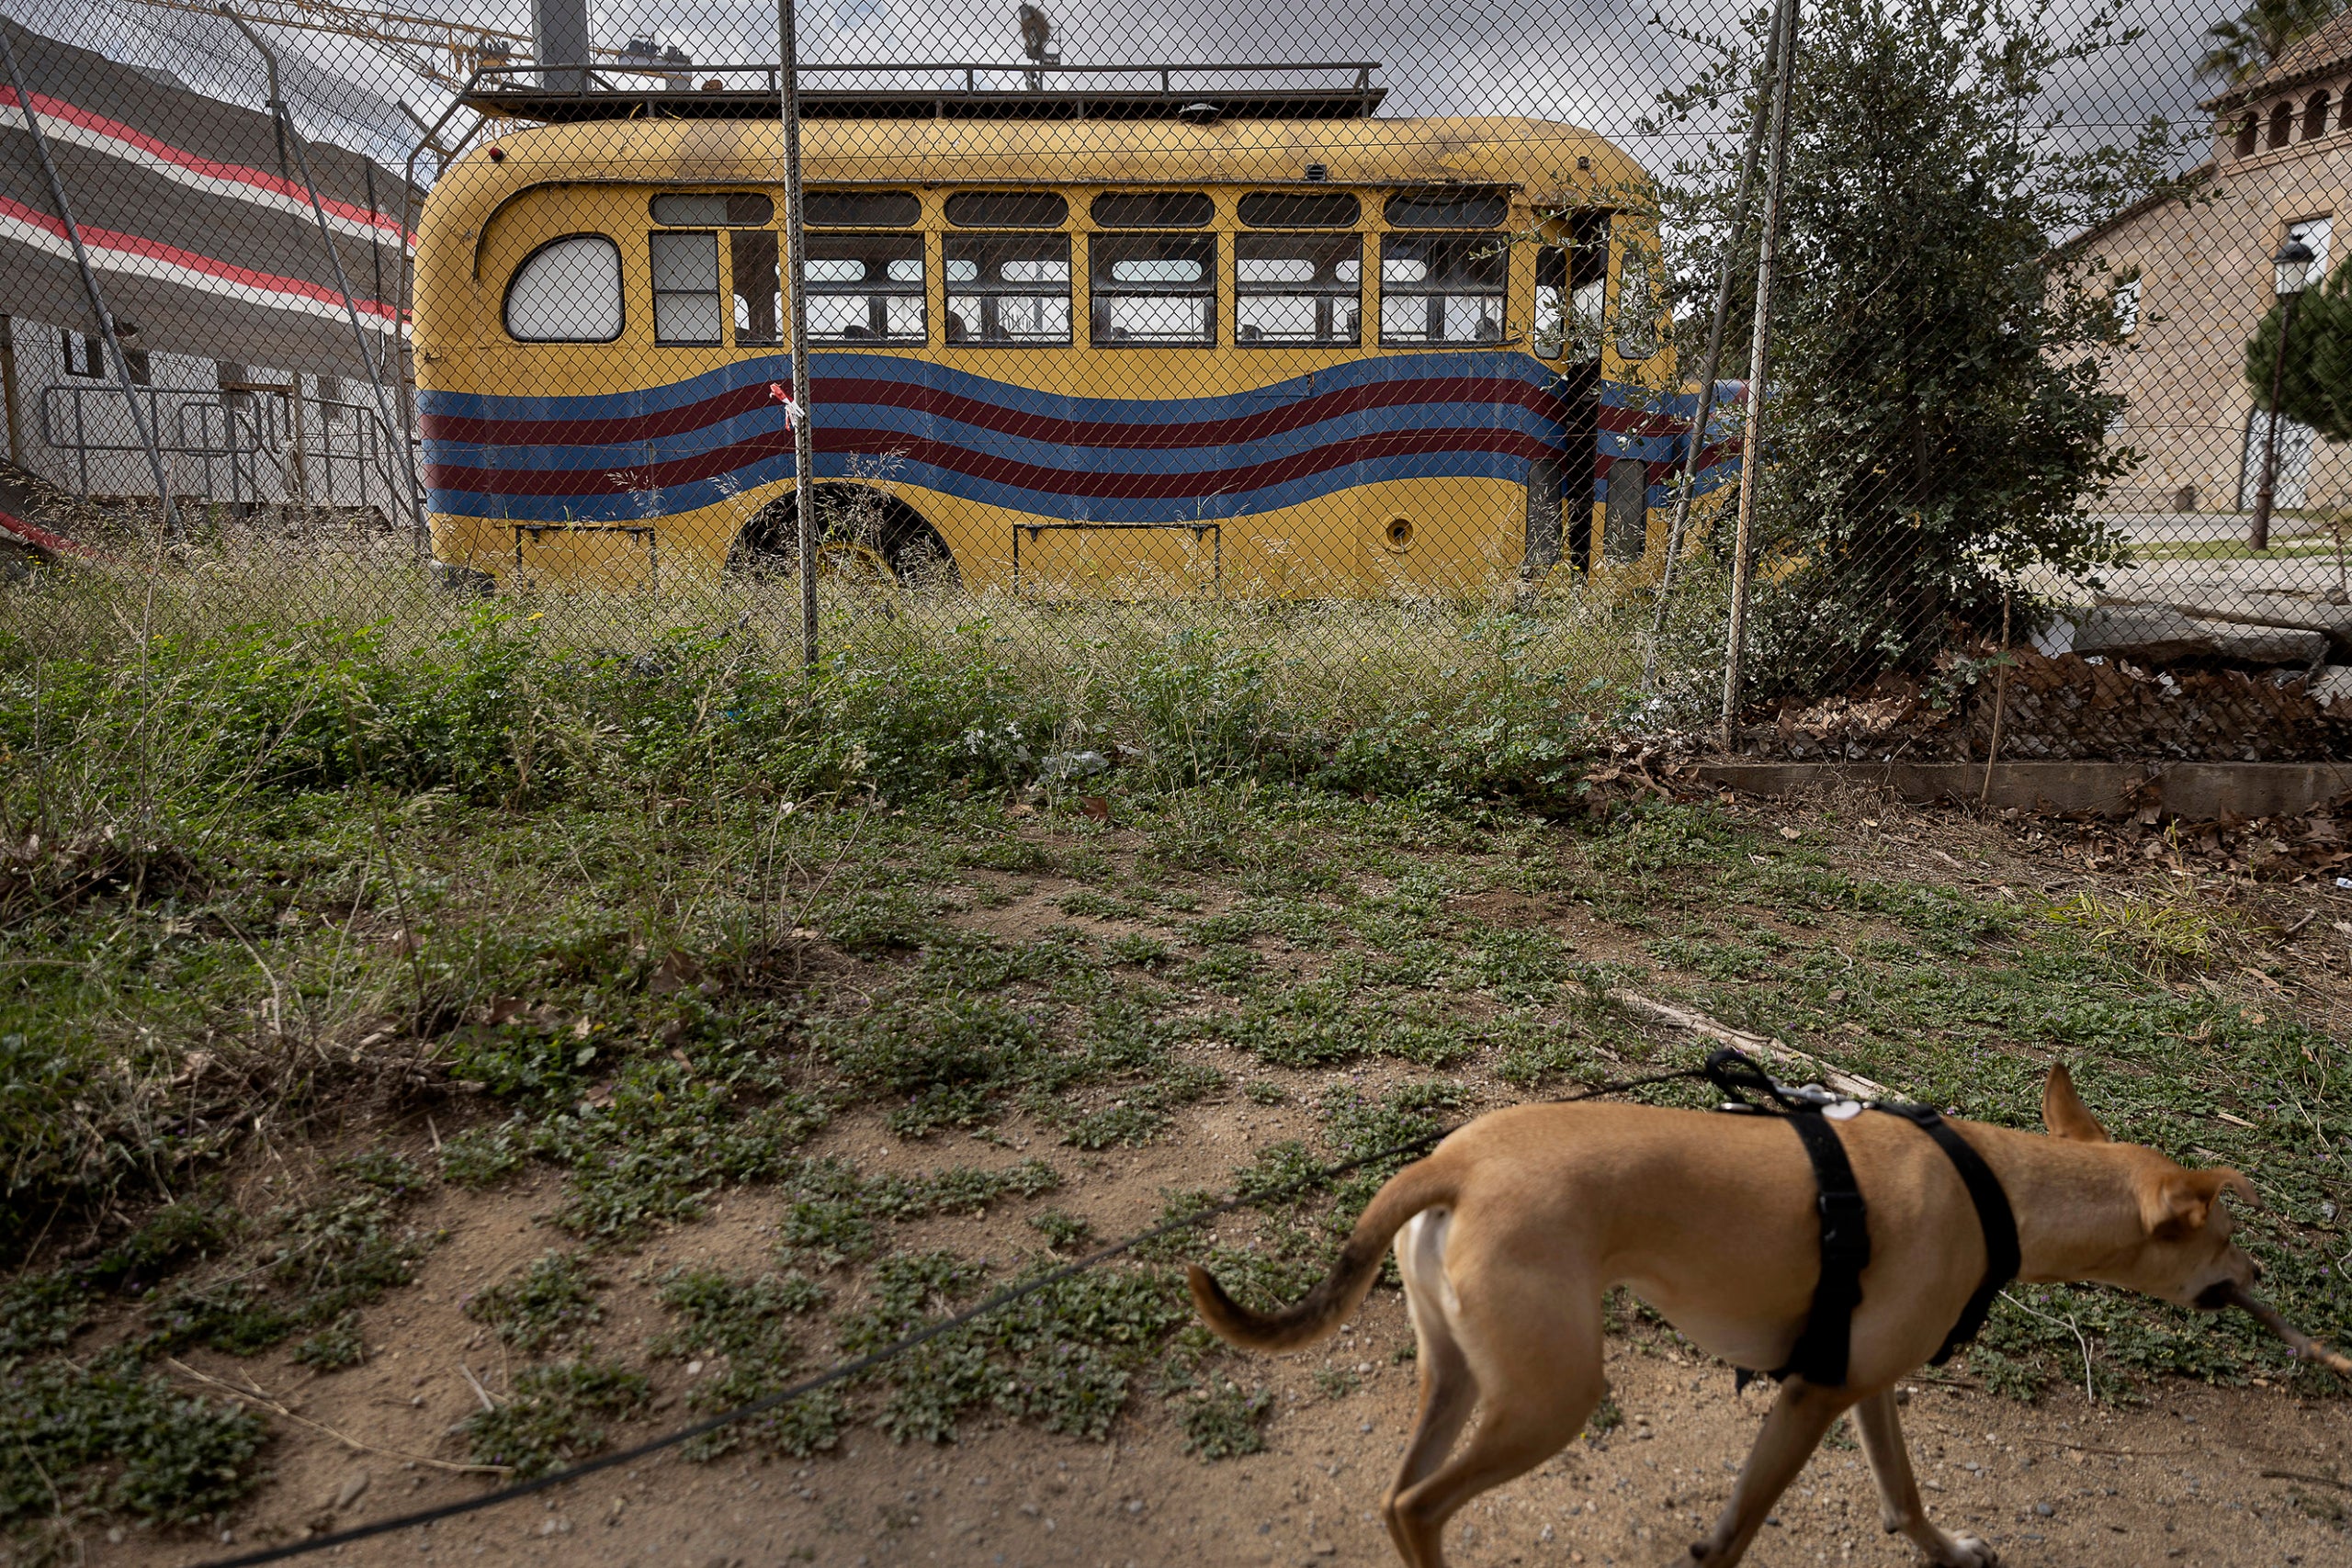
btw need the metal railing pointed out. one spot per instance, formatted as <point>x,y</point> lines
<point>244,446</point>
<point>1304,89</point>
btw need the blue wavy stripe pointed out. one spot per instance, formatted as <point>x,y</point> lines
<point>777,367</point>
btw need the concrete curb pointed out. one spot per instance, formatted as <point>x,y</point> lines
<point>2196,791</point>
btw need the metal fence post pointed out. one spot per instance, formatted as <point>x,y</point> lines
<point>14,410</point>
<point>1713,365</point>
<point>97,298</point>
<point>804,444</point>
<point>1751,456</point>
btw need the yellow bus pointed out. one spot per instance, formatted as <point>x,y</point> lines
<point>1151,356</point>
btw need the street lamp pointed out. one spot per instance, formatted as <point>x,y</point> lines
<point>2293,263</point>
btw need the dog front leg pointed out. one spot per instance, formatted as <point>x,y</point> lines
<point>1792,1431</point>
<point>1898,1491</point>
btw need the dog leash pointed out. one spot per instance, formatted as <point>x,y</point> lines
<point>1823,1350</point>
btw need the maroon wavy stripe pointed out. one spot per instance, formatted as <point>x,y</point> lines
<point>980,466</point>
<point>938,402</point>
<point>1640,421</point>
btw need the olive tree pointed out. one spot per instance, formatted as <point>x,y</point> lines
<point>1938,425</point>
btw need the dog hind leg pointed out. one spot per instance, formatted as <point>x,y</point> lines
<point>1898,1491</point>
<point>1449,1389</point>
<point>1798,1421</point>
<point>1551,1352</point>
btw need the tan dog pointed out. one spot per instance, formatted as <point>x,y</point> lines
<point>1516,1224</point>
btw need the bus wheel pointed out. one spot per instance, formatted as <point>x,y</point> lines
<point>865,537</point>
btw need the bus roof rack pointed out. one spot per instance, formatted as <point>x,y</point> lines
<point>948,90</point>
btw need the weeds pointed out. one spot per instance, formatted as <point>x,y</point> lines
<point>553,1300</point>
<point>742,1324</point>
<point>117,1439</point>
<point>2162,933</point>
<point>1222,1422</point>
<point>554,1415</point>
<point>1063,1233</point>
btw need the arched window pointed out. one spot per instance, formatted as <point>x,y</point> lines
<point>2315,116</point>
<point>567,290</point>
<point>2250,133</point>
<point>2283,123</point>
<point>2344,110</point>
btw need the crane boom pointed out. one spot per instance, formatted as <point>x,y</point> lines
<point>433,47</point>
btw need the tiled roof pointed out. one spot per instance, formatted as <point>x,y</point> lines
<point>2319,53</point>
<point>2329,47</point>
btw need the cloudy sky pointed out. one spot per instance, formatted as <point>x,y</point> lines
<point>1595,62</point>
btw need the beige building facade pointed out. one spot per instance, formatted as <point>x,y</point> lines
<point>2194,277</point>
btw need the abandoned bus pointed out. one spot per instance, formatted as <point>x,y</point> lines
<point>1169,353</point>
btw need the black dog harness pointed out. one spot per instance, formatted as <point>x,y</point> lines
<point>1822,1350</point>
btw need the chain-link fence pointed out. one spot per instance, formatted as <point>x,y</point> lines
<point>1933,348</point>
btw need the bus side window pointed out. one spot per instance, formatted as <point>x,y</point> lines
<point>759,307</point>
<point>865,289</point>
<point>1442,288</point>
<point>685,288</point>
<point>1153,288</point>
<point>1008,288</point>
<point>567,290</point>
<point>1296,289</point>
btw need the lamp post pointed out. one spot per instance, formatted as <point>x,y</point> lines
<point>2293,263</point>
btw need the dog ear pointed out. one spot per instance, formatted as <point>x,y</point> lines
<point>2062,1112</point>
<point>2178,1203</point>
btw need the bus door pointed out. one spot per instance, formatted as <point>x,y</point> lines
<point>1571,283</point>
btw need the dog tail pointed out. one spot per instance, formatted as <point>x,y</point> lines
<point>1426,1184</point>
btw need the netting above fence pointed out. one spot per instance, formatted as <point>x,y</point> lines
<point>1349,335</point>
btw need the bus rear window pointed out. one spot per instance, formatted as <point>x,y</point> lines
<point>1154,210</point>
<point>713,210</point>
<point>1008,290</point>
<point>860,209</point>
<point>1300,209</point>
<point>865,289</point>
<point>1442,288</point>
<point>1154,289</point>
<point>1007,209</point>
<point>1448,208</point>
<point>567,290</point>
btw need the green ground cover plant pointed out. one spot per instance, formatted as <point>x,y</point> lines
<point>653,926</point>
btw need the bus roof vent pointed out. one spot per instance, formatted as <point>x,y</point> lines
<point>945,90</point>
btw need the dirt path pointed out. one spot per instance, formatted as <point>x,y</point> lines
<point>2181,1480</point>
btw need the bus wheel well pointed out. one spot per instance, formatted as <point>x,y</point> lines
<point>854,522</point>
